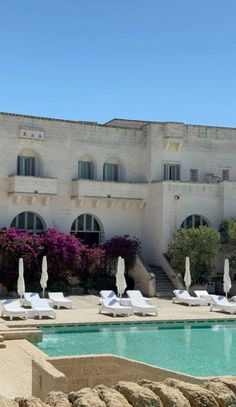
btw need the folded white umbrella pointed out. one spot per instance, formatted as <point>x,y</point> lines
<point>187,274</point>
<point>44,275</point>
<point>120,277</point>
<point>20,281</point>
<point>227,281</point>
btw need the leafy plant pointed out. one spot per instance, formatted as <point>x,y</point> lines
<point>227,230</point>
<point>201,245</point>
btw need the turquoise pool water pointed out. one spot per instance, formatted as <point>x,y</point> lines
<point>197,348</point>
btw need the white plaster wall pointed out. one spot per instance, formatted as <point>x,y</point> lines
<point>64,144</point>
<point>142,153</point>
<point>208,149</point>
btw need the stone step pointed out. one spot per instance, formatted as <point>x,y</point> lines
<point>164,287</point>
<point>164,284</point>
<point>1,338</point>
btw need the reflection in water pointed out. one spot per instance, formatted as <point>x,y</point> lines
<point>120,342</point>
<point>227,344</point>
<point>187,336</point>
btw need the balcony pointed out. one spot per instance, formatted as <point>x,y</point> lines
<point>32,187</point>
<point>109,193</point>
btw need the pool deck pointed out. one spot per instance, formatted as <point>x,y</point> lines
<point>15,359</point>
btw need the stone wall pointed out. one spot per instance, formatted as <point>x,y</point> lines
<point>76,372</point>
<point>143,279</point>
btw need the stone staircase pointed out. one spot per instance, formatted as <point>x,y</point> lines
<point>164,286</point>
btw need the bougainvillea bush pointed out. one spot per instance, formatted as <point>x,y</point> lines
<point>125,247</point>
<point>63,257</point>
<point>67,258</point>
<point>13,245</point>
<point>122,246</point>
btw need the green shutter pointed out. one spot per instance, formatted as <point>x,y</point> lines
<point>166,170</point>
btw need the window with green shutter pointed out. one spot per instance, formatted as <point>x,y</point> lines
<point>85,170</point>
<point>26,165</point>
<point>110,172</point>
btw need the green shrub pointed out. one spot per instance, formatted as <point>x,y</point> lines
<point>201,245</point>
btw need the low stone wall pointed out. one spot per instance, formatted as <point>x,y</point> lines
<point>45,377</point>
<point>74,373</point>
<point>143,279</point>
<point>33,334</point>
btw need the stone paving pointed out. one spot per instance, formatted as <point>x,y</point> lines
<point>15,359</point>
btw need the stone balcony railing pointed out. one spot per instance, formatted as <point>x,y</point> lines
<point>33,187</point>
<point>109,192</point>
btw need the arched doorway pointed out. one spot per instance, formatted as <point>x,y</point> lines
<point>86,228</point>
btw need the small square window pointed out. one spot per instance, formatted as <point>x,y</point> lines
<point>172,172</point>
<point>225,175</point>
<point>193,175</point>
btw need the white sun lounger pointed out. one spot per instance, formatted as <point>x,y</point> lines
<point>114,307</point>
<point>41,308</point>
<point>28,298</point>
<point>108,294</point>
<point>58,300</point>
<point>204,294</point>
<point>13,308</point>
<point>182,296</point>
<point>139,303</point>
<point>220,303</point>
<point>111,295</point>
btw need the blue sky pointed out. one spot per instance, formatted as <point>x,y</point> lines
<point>161,60</point>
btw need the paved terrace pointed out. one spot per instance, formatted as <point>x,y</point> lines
<point>15,359</point>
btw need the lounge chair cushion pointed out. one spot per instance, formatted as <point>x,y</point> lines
<point>29,296</point>
<point>139,303</point>
<point>115,307</point>
<point>184,297</point>
<point>13,308</point>
<point>221,303</point>
<point>57,299</point>
<point>41,308</point>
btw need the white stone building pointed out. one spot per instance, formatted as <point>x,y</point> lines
<point>140,178</point>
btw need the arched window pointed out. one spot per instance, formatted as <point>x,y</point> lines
<point>194,221</point>
<point>87,228</point>
<point>111,170</point>
<point>28,221</point>
<point>85,168</point>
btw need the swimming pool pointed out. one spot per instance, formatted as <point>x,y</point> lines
<point>196,348</point>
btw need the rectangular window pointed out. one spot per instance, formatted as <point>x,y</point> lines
<point>26,166</point>
<point>225,175</point>
<point>110,172</point>
<point>193,175</point>
<point>172,172</point>
<point>85,170</point>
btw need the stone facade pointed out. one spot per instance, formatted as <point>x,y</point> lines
<point>166,172</point>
